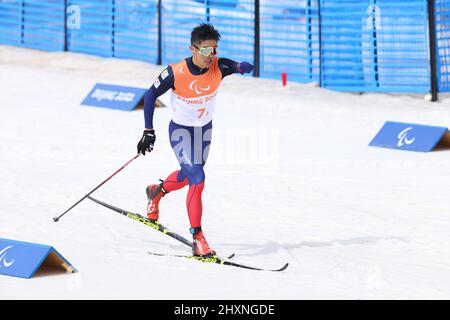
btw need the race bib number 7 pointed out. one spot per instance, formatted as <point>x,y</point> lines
<point>201,112</point>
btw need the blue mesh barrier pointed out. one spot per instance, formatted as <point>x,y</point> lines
<point>402,46</point>
<point>93,31</point>
<point>233,19</point>
<point>442,14</point>
<point>136,30</point>
<point>235,22</point>
<point>120,28</point>
<point>348,45</point>
<point>178,19</point>
<point>43,24</point>
<point>33,24</point>
<point>11,22</point>
<point>290,40</point>
<point>375,45</point>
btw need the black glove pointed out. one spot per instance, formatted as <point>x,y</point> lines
<point>147,142</point>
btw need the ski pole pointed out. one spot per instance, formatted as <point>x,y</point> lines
<point>87,195</point>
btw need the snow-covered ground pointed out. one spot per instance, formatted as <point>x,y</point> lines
<point>290,178</point>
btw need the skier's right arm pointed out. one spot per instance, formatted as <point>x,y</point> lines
<point>164,82</point>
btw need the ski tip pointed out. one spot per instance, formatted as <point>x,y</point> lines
<point>283,267</point>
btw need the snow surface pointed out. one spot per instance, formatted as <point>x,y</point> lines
<point>290,178</point>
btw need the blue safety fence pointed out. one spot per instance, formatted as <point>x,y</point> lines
<point>178,19</point>
<point>32,24</point>
<point>91,30</point>
<point>290,40</point>
<point>442,14</point>
<point>234,19</point>
<point>120,28</point>
<point>375,45</point>
<point>11,22</point>
<point>347,45</point>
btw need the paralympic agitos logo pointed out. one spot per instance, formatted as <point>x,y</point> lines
<point>3,262</point>
<point>198,90</point>
<point>402,137</point>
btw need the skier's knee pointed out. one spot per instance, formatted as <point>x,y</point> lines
<point>197,177</point>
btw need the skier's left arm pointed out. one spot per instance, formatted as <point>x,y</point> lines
<point>228,66</point>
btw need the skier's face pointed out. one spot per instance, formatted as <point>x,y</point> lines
<point>203,53</point>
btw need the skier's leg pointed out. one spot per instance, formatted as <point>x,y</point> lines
<point>191,147</point>
<point>176,180</point>
<point>196,177</point>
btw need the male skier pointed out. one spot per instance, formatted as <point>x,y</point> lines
<point>194,82</point>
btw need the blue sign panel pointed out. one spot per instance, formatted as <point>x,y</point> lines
<point>114,97</point>
<point>23,259</point>
<point>408,136</point>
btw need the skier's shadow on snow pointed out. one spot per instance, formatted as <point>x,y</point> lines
<point>274,247</point>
